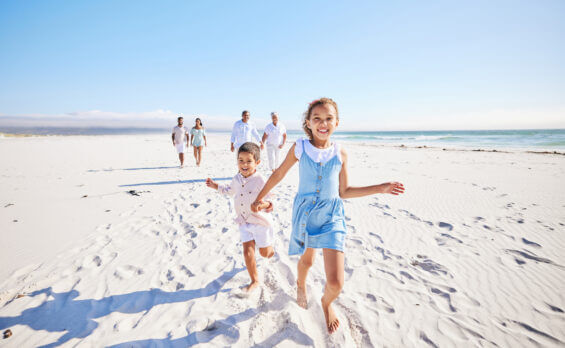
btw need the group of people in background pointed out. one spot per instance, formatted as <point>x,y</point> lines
<point>182,139</point>
<point>274,138</point>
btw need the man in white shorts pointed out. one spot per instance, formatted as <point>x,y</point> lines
<point>275,134</point>
<point>180,139</point>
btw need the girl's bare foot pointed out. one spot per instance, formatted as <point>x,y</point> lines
<point>251,286</point>
<point>301,296</point>
<point>332,323</point>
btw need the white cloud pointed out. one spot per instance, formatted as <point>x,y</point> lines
<point>487,119</point>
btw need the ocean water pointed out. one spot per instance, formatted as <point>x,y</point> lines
<point>533,139</point>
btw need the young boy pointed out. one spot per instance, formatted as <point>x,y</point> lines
<point>255,228</point>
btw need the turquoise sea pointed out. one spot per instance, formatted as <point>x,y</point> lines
<point>533,139</point>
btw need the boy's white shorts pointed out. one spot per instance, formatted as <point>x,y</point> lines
<point>180,148</point>
<point>262,235</point>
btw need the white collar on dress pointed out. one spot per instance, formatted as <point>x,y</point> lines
<point>317,155</point>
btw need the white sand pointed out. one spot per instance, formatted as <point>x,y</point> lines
<point>471,255</point>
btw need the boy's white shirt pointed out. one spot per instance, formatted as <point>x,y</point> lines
<point>245,190</point>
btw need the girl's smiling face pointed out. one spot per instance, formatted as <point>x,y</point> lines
<point>322,121</point>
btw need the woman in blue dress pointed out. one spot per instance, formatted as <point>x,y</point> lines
<point>318,220</point>
<point>198,140</point>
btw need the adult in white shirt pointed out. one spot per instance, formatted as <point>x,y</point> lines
<point>244,131</point>
<point>275,134</point>
<point>180,139</point>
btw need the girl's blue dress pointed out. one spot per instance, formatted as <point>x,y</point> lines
<point>318,218</point>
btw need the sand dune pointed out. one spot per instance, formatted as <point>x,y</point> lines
<point>472,254</point>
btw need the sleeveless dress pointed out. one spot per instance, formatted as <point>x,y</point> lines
<point>198,136</point>
<point>318,218</point>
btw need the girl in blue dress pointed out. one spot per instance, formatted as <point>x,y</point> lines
<point>318,219</point>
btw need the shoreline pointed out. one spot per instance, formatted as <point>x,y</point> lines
<point>502,149</point>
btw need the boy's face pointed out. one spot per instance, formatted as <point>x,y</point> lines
<point>246,163</point>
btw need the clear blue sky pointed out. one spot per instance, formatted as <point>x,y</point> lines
<point>388,64</point>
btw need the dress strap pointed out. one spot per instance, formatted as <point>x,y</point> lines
<point>299,148</point>
<point>337,150</point>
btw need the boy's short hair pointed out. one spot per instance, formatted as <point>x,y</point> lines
<point>251,148</point>
<point>179,118</point>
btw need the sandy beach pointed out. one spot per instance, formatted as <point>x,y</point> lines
<point>107,242</point>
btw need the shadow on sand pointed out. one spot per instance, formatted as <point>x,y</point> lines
<point>141,168</point>
<point>174,182</point>
<point>63,313</point>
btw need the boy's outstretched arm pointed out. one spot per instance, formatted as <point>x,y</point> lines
<point>275,178</point>
<point>346,191</point>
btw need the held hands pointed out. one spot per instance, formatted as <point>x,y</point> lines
<point>281,146</point>
<point>394,188</point>
<point>257,206</point>
<point>211,184</point>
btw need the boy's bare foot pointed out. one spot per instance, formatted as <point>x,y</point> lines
<point>301,296</point>
<point>251,286</point>
<point>332,323</point>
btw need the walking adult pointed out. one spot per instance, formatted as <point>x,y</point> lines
<point>180,139</point>
<point>244,131</point>
<point>275,136</point>
<point>198,140</point>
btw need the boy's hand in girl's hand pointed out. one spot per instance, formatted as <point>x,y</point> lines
<point>394,188</point>
<point>257,206</point>
<point>211,184</point>
<point>269,207</point>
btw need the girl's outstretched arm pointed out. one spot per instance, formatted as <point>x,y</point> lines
<point>346,191</point>
<point>275,178</point>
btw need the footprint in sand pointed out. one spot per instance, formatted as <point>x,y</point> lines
<point>186,271</point>
<point>170,276</point>
<point>97,261</point>
<point>445,225</point>
<point>127,272</point>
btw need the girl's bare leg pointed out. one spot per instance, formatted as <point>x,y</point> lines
<point>249,256</point>
<point>304,264</point>
<point>195,154</point>
<point>333,265</point>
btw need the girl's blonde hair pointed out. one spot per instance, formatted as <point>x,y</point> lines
<point>313,104</point>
